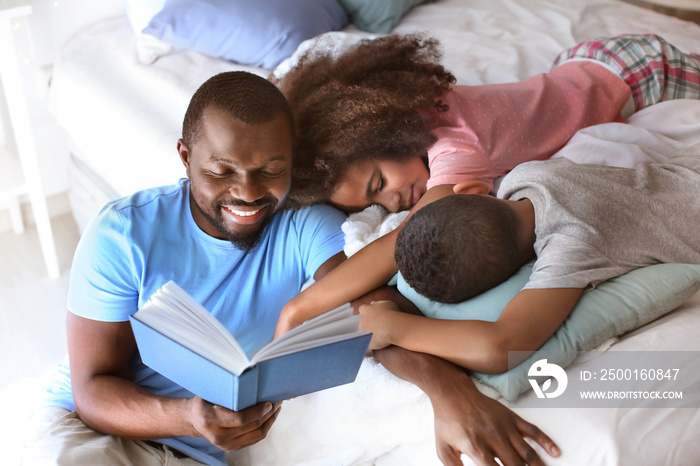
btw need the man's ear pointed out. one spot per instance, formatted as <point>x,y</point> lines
<point>184,154</point>
<point>471,187</point>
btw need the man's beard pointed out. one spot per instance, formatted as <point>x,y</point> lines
<point>246,242</point>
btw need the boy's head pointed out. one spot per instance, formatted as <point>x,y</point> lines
<point>460,246</point>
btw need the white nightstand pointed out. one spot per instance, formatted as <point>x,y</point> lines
<point>20,175</point>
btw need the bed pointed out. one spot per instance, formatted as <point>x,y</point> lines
<point>120,96</point>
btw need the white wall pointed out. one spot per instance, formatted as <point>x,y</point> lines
<point>55,21</point>
<point>39,38</point>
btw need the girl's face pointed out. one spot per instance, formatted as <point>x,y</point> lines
<point>395,185</point>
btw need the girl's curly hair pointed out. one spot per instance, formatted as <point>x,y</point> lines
<point>361,105</point>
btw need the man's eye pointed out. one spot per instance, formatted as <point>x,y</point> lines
<point>274,174</point>
<point>218,174</point>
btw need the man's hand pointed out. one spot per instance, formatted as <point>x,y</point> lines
<point>108,401</point>
<point>466,421</point>
<point>230,430</point>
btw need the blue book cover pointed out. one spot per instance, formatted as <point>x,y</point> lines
<point>324,352</point>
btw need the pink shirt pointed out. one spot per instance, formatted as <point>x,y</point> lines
<point>490,129</point>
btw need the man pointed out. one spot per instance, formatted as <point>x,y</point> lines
<point>221,234</point>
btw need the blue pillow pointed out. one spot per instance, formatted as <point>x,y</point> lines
<point>258,33</point>
<point>614,307</point>
<point>378,16</point>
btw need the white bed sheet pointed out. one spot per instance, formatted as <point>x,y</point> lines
<point>381,420</point>
<point>493,41</point>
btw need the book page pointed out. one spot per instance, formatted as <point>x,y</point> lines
<point>175,314</point>
<point>330,327</point>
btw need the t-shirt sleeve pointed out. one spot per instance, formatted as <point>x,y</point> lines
<point>567,262</point>
<point>320,235</point>
<point>455,158</point>
<point>103,279</point>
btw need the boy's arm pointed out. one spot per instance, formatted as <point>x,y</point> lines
<point>368,269</point>
<point>528,320</point>
<point>109,402</point>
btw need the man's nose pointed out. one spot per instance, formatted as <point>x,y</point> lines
<point>247,188</point>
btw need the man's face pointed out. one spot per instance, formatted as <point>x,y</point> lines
<point>240,175</point>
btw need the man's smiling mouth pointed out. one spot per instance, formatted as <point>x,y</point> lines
<point>244,213</point>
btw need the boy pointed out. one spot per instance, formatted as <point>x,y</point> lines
<point>584,223</point>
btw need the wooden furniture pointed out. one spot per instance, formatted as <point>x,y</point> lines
<point>19,172</point>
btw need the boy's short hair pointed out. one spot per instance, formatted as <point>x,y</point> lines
<point>458,247</point>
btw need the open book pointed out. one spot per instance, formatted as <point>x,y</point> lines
<point>180,339</point>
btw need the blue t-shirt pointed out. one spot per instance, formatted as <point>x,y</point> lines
<point>137,244</point>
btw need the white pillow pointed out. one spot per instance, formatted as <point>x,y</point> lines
<point>140,12</point>
<point>148,48</point>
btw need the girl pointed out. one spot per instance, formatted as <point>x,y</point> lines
<point>384,123</point>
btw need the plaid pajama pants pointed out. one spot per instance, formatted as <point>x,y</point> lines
<point>654,69</point>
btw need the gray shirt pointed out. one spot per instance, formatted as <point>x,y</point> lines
<point>595,222</point>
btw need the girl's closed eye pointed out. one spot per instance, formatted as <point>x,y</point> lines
<point>380,185</point>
